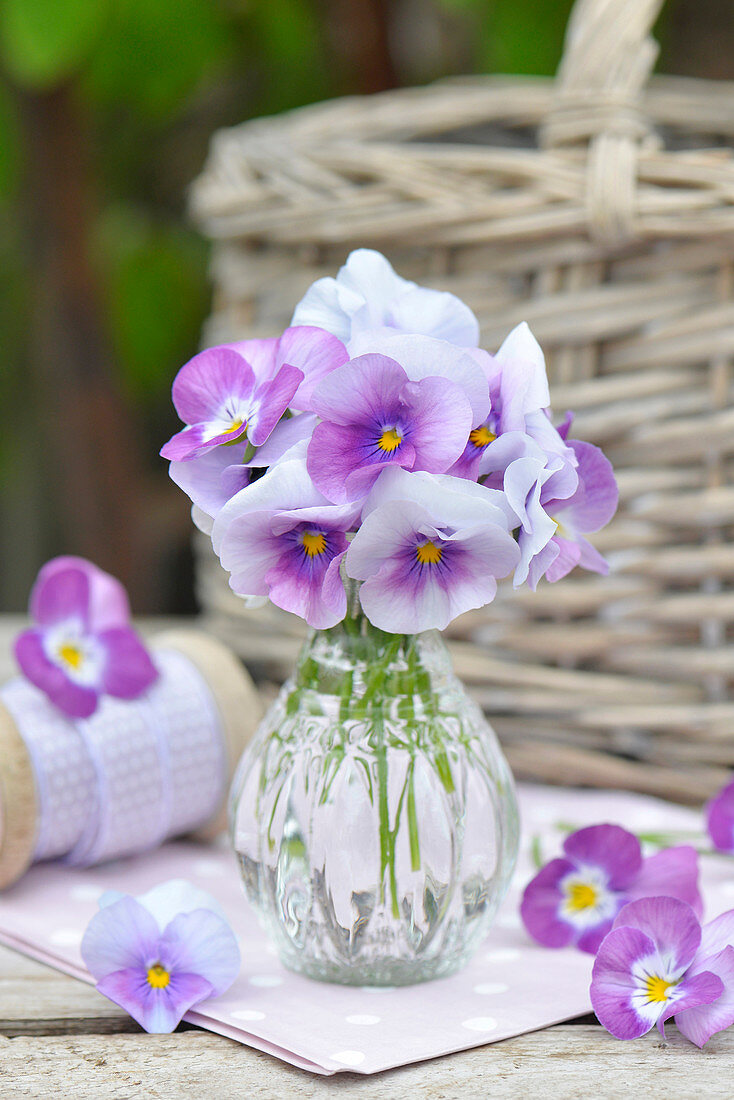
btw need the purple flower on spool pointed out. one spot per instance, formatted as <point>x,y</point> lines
<point>82,645</point>
<point>575,899</point>
<point>659,962</point>
<point>162,953</point>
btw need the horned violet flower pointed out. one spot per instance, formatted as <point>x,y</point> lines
<point>160,954</point>
<point>658,962</point>
<point>429,548</point>
<point>575,899</point>
<point>281,538</point>
<point>82,645</point>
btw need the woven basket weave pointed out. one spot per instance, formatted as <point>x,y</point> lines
<point>599,207</point>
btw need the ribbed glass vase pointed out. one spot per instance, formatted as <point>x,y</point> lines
<point>374,815</point>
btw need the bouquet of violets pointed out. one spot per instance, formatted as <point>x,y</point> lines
<point>376,472</point>
<point>375,441</point>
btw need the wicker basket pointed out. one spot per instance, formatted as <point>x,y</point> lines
<point>600,209</point>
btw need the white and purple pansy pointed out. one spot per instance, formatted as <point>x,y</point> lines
<point>281,538</point>
<point>657,963</point>
<point>720,819</point>
<point>573,900</point>
<point>368,296</point>
<point>159,955</point>
<point>81,645</point>
<point>429,548</point>
<point>373,416</point>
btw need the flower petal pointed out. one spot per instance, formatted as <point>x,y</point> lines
<point>699,1023</point>
<point>692,993</point>
<point>212,478</point>
<point>720,819</point>
<point>200,942</point>
<point>204,384</point>
<point>103,605</point>
<point>168,899</point>
<point>316,353</point>
<point>128,670</point>
<point>615,850</point>
<point>671,924</point>
<point>158,1011</point>
<point>120,936</point>
<point>673,873</point>
<point>541,903</point>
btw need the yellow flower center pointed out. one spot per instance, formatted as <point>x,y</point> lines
<point>657,989</point>
<point>71,655</point>
<point>481,437</point>
<point>314,544</point>
<point>234,427</point>
<point>389,440</point>
<point>158,977</point>
<point>581,896</point>
<point>428,553</point>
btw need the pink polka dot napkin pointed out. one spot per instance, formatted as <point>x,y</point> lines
<point>510,987</point>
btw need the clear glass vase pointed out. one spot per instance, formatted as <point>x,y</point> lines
<point>374,815</point>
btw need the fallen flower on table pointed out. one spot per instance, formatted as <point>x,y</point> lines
<point>657,963</point>
<point>160,954</point>
<point>575,899</point>
<point>720,819</point>
<point>81,645</point>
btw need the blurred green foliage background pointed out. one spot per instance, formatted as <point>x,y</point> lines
<point>106,110</point>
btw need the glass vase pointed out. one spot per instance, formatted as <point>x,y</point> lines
<point>374,815</point>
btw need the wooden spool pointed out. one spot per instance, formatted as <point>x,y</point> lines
<point>239,707</point>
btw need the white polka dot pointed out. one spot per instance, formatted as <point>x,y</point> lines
<point>480,1023</point>
<point>66,937</point>
<point>247,1014</point>
<point>349,1057</point>
<point>209,868</point>
<point>266,981</point>
<point>488,989</point>
<point>86,892</point>
<point>502,954</point>
<point>365,1020</point>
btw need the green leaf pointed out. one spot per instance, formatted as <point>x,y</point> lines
<point>42,42</point>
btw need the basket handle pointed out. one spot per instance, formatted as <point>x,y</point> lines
<point>607,60</point>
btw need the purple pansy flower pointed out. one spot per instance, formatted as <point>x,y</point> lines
<point>313,351</point>
<point>221,399</point>
<point>574,900</point>
<point>429,548</point>
<point>374,416</point>
<point>160,954</point>
<point>557,505</point>
<point>656,963</point>
<point>368,296</point>
<point>82,645</point>
<point>281,538</point>
<point>720,819</point>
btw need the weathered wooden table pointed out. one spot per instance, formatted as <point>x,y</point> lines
<point>58,1036</point>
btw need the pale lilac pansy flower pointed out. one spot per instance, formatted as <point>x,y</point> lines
<point>374,416</point>
<point>160,954</point>
<point>429,548</point>
<point>281,538</point>
<point>658,963</point>
<point>81,645</point>
<point>557,505</point>
<point>240,391</point>
<point>720,819</point>
<point>573,900</point>
<point>368,296</point>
